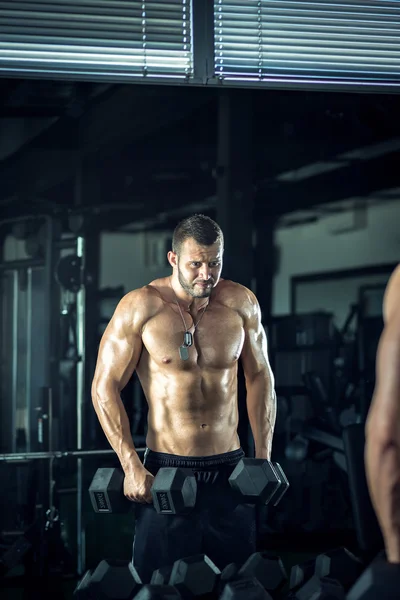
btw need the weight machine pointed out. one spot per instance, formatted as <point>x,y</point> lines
<point>44,272</point>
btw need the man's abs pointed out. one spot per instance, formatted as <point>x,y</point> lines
<point>192,414</point>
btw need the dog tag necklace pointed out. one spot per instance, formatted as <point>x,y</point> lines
<point>187,336</point>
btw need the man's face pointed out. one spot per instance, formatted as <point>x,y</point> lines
<point>199,268</point>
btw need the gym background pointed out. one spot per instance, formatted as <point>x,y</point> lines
<point>106,141</point>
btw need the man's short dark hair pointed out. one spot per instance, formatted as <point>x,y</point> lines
<point>201,228</point>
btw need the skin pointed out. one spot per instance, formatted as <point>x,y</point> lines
<point>193,408</point>
<point>382,450</point>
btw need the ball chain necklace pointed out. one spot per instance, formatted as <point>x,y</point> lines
<point>187,336</point>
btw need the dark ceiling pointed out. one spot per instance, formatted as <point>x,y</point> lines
<point>154,148</point>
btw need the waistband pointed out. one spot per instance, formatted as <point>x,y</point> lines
<point>162,459</point>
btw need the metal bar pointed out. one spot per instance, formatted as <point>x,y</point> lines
<point>14,265</point>
<point>23,456</point>
<point>28,357</point>
<point>80,341</point>
<point>80,396</point>
<point>23,218</point>
<point>14,363</point>
<point>327,439</point>
<point>48,280</point>
<point>50,446</point>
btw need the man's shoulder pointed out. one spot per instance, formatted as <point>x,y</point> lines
<point>140,304</point>
<point>236,295</point>
<point>391,304</point>
<point>142,294</point>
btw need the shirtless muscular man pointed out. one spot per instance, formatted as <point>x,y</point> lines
<point>382,449</point>
<point>184,335</point>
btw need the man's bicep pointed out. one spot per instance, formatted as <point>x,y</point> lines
<point>119,353</point>
<point>255,348</point>
<point>385,410</point>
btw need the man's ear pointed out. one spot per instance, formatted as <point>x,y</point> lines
<point>172,258</point>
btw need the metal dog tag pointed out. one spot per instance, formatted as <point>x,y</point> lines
<point>183,352</point>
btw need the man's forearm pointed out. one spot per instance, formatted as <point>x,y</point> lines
<point>382,460</point>
<point>261,409</point>
<point>115,424</point>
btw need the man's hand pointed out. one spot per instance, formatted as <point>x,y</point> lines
<point>138,484</point>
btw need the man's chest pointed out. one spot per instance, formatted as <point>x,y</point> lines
<point>217,336</point>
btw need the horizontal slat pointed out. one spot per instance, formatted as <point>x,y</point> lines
<point>351,40</point>
<point>163,9</point>
<point>7,16</point>
<point>343,6</point>
<point>96,29</point>
<point>142,36</point>
<point>16,41</point>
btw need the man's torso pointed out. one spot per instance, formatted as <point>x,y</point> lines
<point>192,403</point>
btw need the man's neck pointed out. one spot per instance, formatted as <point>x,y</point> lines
<point>186,300</point>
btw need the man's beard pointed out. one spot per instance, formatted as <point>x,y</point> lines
<point>191,289</point>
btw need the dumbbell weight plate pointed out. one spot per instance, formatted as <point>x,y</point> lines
<point>174,491</point>
<point>283,486</point>
<point>195,576</point>
<point>255,480</point>
<point>106,491</point>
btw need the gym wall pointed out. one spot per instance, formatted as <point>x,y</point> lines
<point>314,248</point>
<point>133,259</point>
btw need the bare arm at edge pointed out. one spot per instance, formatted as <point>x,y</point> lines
<point>260,382</point>
<point>118,356</point>
<point>382,449</point>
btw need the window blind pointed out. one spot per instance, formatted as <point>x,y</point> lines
<point>121,38</point>
<point>315,41</point>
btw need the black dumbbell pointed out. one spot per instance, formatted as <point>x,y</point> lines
<point>267,569</point>
<point>158,592</point>
<point>192,577</point>
<point>339,564</point>
<point>162,575</point>
<point>195,577</point>
<point>174,491</point>
<point>380,581</point>
<point>258,481</point>
<point>319,588</point>
<point>244,589</point>
<point>111,580</point>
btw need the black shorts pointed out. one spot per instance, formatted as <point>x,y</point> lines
<point>218,527</point>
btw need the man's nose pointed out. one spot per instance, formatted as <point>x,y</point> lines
<point>205,272</point>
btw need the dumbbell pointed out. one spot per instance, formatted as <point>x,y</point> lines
<point>338,564</point>
<point>258,481</point>
<point>174,491</point>
<point>319,588</point>
<point>190,577</point>
<point>110,580</point>
<point>263,576</point>
<point>379,581</point>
